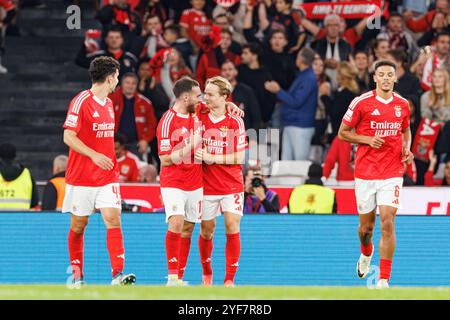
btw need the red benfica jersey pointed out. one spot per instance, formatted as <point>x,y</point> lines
<point>128,167</point>
<point>197,24</point>
<point>223,135</point>
<point>173,133</point>
<point>371,115</point>
<point>94,124</point>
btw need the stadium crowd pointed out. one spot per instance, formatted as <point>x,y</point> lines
<point>289,71</point>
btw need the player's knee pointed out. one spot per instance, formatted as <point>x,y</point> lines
<point>366,230</point>
<point>232,227</point>
<point>387,227</point>
<point>176,224</point>
<point>207,231</point>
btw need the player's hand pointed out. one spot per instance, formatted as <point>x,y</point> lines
<point>376,142</point>
<point>407,155</point>
<point>234,110</point>
<point>102,161</point>
<point>143,146</point>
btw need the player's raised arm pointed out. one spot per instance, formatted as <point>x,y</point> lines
<point>347,133</point>
<point>71,139</point>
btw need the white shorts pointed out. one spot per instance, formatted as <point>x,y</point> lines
<point>373,193</point>
<point>214,205</point>
<point>178,202</point>
<point>82,201</point>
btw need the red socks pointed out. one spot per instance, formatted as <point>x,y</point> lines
<point>205,247</point>
<point>366,250</point>
<point>173,244</point>
<point>385,269</point>
<point>75,241</point>
<point>185,245</point>
<point>232,253</point>
<point>114,243</point>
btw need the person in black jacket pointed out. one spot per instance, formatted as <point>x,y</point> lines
<point>348,89</point>
<point>121,15</point>
<point>113,43</point>
<point>253,74</point>
<point>243,96</point>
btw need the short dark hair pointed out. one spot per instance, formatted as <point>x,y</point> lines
<point>102,67</point>
<point>113,29</point>
<point>399,55</point>
<point>442,34</point>
<point>184,85</point>
<point>130,75</point>
<point>395,14</point>
<point>175,29</point>
<point>254,48</point>
<point>7,151</point>
<point>315,171</point>
<point>120,138</point>
<point>273,32</point>
<point>382,63</point>
<point>361,51</point>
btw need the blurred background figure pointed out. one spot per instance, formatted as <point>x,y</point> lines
<point>56,186</point>
<point>257,197</point>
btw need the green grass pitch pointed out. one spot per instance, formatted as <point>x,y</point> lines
<point>93,292</point>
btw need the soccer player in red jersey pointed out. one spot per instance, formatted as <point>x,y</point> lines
<point>92,174</point>
<point>378,121</point>
<point>224,141</point>
<point>181,177</point>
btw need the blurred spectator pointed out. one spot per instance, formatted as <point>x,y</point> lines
<point>408,85</point>
<point>150,41</point>
<point>195,25</point>
<point>439,25</point>
<point>414,117</point>
<point>313,197</point>
<point>56,187</point>
<point>361,62</point>
<point>134,116</point>
<point>10,12</point>
<point>166,67</point>
<point>332,48</point>
<point>298,108</point>
<point>113,43</point>
<point>431,59</point>
<point>148,173</point>
<point>126,161</point>
<point>231,19</point>
<point>336,106</point>
<point>435,103</point>
<point>172,35</point>
<point>398,37</point>
<point>258,198</point>
<point>148,87</point>
<point>17,187</point>
<point>121,15</point>
<point>279,17</point>
<point>253,74</point>
<point>425,22</point>
<point>243,96</point>
<point>380,49</point>
<point>319,139</point>
<point>148,8</point>
<point>341,153</point>
<point>430,181</point>
<point>210,62</point>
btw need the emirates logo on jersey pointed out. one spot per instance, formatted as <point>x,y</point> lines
<point>385,128</point>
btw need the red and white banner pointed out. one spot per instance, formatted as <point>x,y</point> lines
<point>345,9</point>
<point>413,200</point>
<point>425,139</point>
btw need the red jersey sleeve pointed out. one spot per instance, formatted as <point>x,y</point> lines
<point>184,20</point>
<point>163,134</point>
<point>353,114</point>
<point>240,137</point>
<point>75,113</point>
<point>406,119</point>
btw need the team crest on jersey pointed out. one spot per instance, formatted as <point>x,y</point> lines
<point>223,131</point>
<point>398,111</point>
<point>125,169</point>
<point>127,62</point>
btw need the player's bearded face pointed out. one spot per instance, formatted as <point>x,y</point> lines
<point>385,78</point>
<point>194,99</point>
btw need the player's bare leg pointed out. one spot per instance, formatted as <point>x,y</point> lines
<point>114,243</point>
<point>173,244</point>
<point>387,243</point>
<point>76,247</point>
<point>185,246</point>
<point>233,246</point>
<point>365,232</point>
<point>205,246</point>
